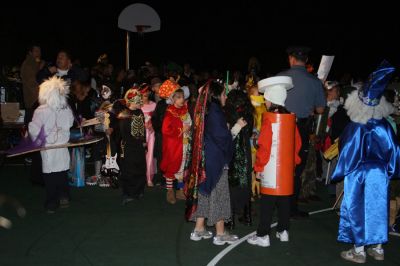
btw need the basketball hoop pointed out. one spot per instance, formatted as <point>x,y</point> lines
<point>138,18</point>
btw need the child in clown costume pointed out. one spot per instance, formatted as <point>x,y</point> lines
<point>369,156</point>
<point>175,138</point>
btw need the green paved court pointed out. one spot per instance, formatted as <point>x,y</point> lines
<point>97,230</point>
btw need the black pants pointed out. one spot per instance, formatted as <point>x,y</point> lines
<point>267,206</point>
<point>36,174</point>
<point>57,188</point>
<point>304,126</point>
<point>133,186</point>
<point>158,177</point>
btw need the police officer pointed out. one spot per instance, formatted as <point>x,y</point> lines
<point>306,97</point>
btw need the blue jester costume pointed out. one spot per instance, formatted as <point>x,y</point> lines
<point>369,157</point>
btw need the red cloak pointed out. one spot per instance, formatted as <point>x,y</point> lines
<point>172,140</point>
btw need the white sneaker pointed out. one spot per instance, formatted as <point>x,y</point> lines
<point>92,180</point>
<point>199,235</point>
<point>225,238</point>
<point>376,253</point>
<point>283,236</point>
<point>262,241</point>
<point>352,255</point>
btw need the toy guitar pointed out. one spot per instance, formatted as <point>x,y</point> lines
<point>110,168</point>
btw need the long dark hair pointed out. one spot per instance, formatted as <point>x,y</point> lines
<point>239,105</point>
<point>214,92</point>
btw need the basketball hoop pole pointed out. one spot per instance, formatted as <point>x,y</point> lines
<point>127,50</point>
<point>137,18</point>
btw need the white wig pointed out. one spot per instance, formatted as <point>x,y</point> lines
<point>53,92</point>
<point>361,113</point>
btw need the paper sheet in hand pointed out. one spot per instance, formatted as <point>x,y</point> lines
<point>325,67</point>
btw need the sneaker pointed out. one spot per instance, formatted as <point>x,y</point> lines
<point>376,253</point>
<point>150,184</point>
<point>64,203</point>
<point>262,241</point>
<point>199,235</point>
<point>28,160</point>
<point>352,255</point>
<point>126,200</point>
<point>103,182</point>
<point>92,180</point>
<point>283,236</point>
<point>225,238</point>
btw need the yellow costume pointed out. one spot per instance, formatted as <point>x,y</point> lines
<point>259,106</point>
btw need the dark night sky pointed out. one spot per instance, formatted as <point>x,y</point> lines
<point>206,34</point>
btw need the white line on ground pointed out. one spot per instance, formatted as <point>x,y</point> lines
<point>319,211</point>
<point>225,251</point>
<point>394,234</point>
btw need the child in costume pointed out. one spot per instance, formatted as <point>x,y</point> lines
<point>54,118</point>
<point>369,156</point>
<point>80,106</point>
<point>279,144</point>
<point>175,138</point>
<point>133,143</point>
<point>148,110</point>
<point>107,147</point>
<point>206,178</point>
<point>237,106</point>
<point>156,122</point>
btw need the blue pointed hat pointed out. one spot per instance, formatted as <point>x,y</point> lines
<point>372,91</point>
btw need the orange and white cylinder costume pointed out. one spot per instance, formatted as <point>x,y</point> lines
<point>277,155</point>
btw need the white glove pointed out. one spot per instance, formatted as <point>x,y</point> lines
<point>235,130</point>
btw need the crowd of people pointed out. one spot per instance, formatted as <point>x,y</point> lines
<point>220,142</point>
